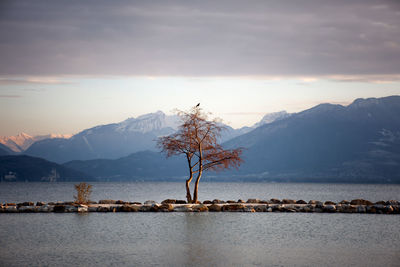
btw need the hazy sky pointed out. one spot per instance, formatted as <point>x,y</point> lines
<point>70,65</point>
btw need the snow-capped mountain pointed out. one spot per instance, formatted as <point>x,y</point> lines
<point>271,117</point>
<point>117,140</point>
<point>23,141</point>
<point>149,122</point>
<point>108,141</point>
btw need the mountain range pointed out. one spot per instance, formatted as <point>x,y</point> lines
<point>117,140</point>
<point>358,143</point>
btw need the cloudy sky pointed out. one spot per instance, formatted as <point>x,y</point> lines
<point>70,65</point>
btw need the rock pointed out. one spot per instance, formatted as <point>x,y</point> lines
<point>26,209</point>
<point>329,208</point>
<point>82,208</point>
<point>218,201</point>
<point>344,202</point>
<point>396,209</point>
<point>307,208</point>
<point>39,203</point>
<point>240,201</point>
<point>182,208</point>
<point>329,203</point>
<point>25,204</point>
<point>360,201</point>
<point>230,201</point>
<point>233,207</point>
<point>200,208</point>
<point>59,208</point>
<point>180,201</point>
<point>361,209</point>
<point>370,209</point>
<point>92,208</point>
<point>215,208</point>
<point>290,210</point>
<point>168,201</point>
<point>315,202</point>
<point>107,201</point>
<point>301,202</point>
<point>269,209</point>
<point>276,207</point>
<point>121,202</point>
<point>389,209</point>
<point>10,204</point>
<point>10,209</point>
<point>346,208</point>
<point>103,209</point>
<point>155,208</point>
<point>145,208</point>
<point>166,207</point>
<point>381,202</point>
<point>150,202</point>
<point>264,201</point>
<point>274,201</point>
<point>44,208</point>
<point>253,200</point>
<point>288,201</point>
<point>71,208</point>
<point>249,209</point>
<point>392,202</point>
<point>129,208</point>
<point>260,208</point>
<point>207,202</point>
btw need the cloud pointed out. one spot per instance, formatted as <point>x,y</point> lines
<point>200,38</point>
<point>378,78</point>
<point>32,80</point>
<point>10,96</point>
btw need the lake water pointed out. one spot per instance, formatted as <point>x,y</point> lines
<point>199,239</point>
<point>142,191</point>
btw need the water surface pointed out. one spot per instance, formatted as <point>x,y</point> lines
<point>199,239</point>
<point>158,191</point>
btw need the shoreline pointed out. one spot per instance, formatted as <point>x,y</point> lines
<point>173,205</point>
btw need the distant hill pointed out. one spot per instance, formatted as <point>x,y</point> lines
<point>359,143</point>
<point>144,165</point>
<point>25,168</point>
<point>4,150</point>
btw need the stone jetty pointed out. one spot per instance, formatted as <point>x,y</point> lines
<point>216,205</point>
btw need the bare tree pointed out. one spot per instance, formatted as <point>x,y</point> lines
<point>83,191</point>
<point>197,139</point>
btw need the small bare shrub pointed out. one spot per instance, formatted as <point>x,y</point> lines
<point>83,193</point>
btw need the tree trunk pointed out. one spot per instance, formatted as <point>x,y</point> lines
<point>196,188</point>
<point>188,195</point>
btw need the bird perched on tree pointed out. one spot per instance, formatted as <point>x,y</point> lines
<point>197,105</point>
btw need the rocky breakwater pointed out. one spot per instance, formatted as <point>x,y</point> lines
<point>173,205</point>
